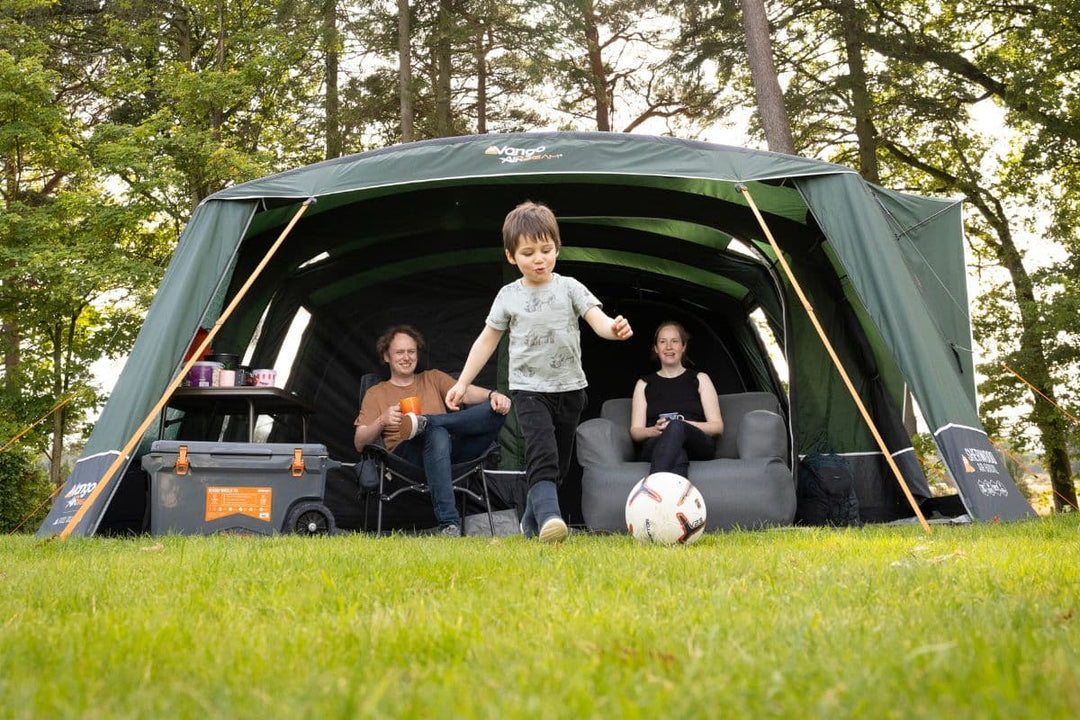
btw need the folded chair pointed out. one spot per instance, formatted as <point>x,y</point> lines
<point>387,476</point>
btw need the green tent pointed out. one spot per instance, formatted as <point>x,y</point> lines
<point>656,227</point>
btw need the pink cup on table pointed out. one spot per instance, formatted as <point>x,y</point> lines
<point>265,377</point>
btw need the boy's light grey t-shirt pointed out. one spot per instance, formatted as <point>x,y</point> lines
<point>545,338</point>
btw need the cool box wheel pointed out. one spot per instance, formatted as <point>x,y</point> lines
<point>310,518</point>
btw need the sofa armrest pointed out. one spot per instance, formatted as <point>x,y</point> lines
<point>602,442</point>
<point>762,434</point>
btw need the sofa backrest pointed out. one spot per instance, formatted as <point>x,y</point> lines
<point>733,408</point>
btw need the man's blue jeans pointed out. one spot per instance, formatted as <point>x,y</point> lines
<point>450,438</point>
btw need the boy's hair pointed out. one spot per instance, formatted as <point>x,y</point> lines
<point>530,220</point>
<point>382,345</point>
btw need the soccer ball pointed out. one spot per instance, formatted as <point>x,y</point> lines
<point>665,508</point>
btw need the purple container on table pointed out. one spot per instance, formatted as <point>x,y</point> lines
<point>201,373</point>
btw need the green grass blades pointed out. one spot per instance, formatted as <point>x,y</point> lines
<point>977,621</point>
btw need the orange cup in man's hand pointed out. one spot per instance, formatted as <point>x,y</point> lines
<point>410,405</point>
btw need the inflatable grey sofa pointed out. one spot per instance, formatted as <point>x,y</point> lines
<point>748,485</point>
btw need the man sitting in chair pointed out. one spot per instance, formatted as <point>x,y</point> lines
<point>434,438</point>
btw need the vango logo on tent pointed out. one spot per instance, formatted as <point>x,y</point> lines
<point>510,154</point>
<point>77,495</point>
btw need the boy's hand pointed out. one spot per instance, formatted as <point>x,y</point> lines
<point>454,396</point>
<point>621,328</point>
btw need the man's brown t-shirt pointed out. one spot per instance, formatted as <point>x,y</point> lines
<point>430,386</point>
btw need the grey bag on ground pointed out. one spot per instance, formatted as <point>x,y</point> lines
<point>506,523</point>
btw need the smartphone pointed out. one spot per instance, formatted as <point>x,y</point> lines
<point>672,416</point>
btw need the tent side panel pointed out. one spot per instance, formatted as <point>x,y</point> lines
<point>928,232</point>
<point>865,243</point>
<point>203,253</point>
<point>76,491</point>
<point>978,467</point>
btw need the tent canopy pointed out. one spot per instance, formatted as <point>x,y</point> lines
<point>656,227</point>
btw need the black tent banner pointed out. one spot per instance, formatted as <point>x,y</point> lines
<point>655,227</point>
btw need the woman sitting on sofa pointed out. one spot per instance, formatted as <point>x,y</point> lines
<point>675,413</point>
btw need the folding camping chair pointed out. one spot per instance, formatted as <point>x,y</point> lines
<point>388,476</point>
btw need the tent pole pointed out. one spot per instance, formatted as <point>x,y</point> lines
<point>835,358</point>
<point>133,441</point>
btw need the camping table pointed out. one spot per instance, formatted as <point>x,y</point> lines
<point>248,400</point>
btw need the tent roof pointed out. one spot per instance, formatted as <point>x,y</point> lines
<point>499,157</point>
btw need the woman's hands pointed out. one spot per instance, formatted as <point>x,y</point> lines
<point>657,428</point>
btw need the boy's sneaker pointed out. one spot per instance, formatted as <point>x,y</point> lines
<point>450,531</point>
<point>553,530</point>
<point>414,424</point>
<point>529,528</point>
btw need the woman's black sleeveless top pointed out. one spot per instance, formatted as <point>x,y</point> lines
<point>677,394</point>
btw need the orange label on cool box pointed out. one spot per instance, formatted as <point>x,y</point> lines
<point>254,502</point>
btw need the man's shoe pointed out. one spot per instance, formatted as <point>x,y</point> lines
<point>553,530</point>
<point>452,530</point>
<point>415,424</point>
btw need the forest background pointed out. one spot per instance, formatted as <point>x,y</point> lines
<point>117,117</point>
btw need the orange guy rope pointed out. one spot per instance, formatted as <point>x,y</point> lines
<point>137,435</point>
<point>835,359</point>
<point>30,427</point>
<point>53,494</point>
<point>1063,411</point>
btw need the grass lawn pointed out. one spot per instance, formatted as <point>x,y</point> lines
<point>979,621</point>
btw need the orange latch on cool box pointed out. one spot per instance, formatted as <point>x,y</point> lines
<point>182,463</point>
<point>297,467</point>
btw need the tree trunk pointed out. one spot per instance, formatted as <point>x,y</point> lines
<point>443,69</point>
<point>1036,370</point>
<point>217,114</point>
<point>865,134</point>
<point>56,454</point>
<point>851,22</point>
<point>333,106</point>
<point>12,343</point>
<point>599,74</point>
<point>770,99</point>
<point>481,80</point>
<point>911,424</point>
<point>405,71</point>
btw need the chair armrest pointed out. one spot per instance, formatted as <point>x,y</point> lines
<point>602,442</point>
<point>762,435</point>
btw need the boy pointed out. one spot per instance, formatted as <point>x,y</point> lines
<point>547,383</point>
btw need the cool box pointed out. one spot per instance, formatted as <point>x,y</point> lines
<point>198,488</point>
